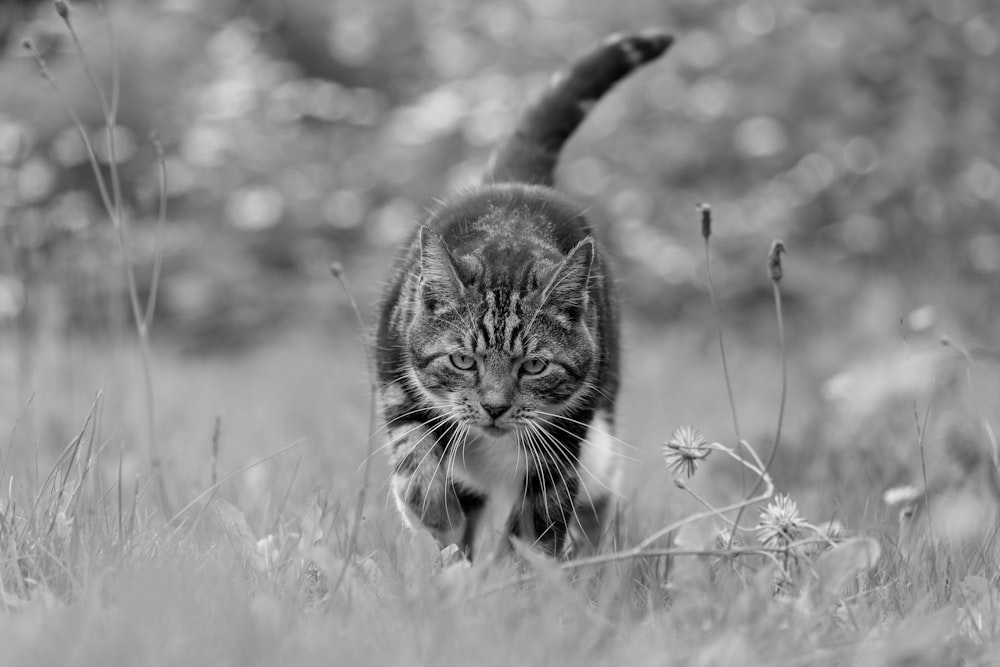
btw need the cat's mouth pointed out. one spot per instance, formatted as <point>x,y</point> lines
<point>495,430</point>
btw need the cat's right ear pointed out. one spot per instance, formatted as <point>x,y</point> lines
<point>439,281</point>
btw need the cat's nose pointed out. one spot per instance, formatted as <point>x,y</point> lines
<point>494,411</point>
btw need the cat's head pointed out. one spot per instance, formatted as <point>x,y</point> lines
<point>503,336</point>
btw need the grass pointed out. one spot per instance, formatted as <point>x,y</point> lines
<point>92,573</point>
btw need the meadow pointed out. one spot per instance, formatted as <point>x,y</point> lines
<point>264,532</point>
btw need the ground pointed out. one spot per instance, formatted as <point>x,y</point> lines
<point>248,574</point>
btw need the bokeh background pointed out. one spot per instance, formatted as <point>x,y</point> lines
<point>300,132</point>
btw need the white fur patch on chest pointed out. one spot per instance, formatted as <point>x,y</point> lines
<point>497,467</point>
<point>490,464</point>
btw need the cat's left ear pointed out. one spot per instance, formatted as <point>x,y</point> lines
<point>569,286</point>
<point>439,279</point>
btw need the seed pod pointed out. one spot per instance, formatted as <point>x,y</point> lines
<point>774,269</point>
<point>706,219</point>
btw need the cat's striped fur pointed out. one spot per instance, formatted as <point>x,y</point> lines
<point>497,345</point>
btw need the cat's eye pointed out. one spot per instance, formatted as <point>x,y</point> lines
<point>462,362</point>
<point>533,366</point>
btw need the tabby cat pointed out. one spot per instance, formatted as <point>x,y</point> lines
<point>497,343</point>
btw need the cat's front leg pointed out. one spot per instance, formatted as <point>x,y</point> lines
<point>549,510</point>
<point>424,494</point>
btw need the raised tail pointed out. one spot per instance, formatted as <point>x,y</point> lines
<point>531,153</point>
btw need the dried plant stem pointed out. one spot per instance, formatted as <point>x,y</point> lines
<point>649,541</point>
<point>706,233</point>
<point>288,491</point>
<point>771,553</point>
<point>722,344</point>
<point>216,436</point>
<point>756,469</point>
<point>707,505</point>
<point>161,223</point>
<point>226,478</point>
<point>776,273</point>
<point>338,272</point>
<point>113,204</point>
<point>78,124</point>
<point>784,378</point>
<point>121,509</point>
<point>115,63</point>
<point>921,432</point>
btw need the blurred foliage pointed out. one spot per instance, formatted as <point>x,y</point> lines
<point>300,131</point>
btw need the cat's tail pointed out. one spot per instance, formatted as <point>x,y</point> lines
<point>530,154</point>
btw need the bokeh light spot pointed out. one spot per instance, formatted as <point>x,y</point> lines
<point>984,252</point>
<point>587,176</point>
<point>761,136</point>
<point>983,180</point>
<point>756,17</point>
<point>344,209</point>
<point>861,155</point>
<point>254,208</point>
<point>35,179</point>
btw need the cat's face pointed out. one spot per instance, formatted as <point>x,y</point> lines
<point>498,347</point>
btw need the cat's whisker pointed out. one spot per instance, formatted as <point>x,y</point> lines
<point>462,435</point>
<point>397,437</point>
<point>592,386</point>
<point>402,416</point>
<point>544,448</point>
<point>429,424</point>
<point>409,481</point>
<point>517,454</point>
<point>595,446</point>
<point>558,453</point>
<point>441,461</point>
<point>386,426</point>
<point>416,470</point>
<point>528,462</point>
<point>540,471</point>
<point>586,490</point>
<point>598,430</point>
<point>450,453</point>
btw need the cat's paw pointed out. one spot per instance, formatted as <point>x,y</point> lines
<point>452,556</point>
<point>430,504</point>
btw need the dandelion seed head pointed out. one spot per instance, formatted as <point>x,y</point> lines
<point>685,450</point>
<point>780,522</point>
<point>724,538</point>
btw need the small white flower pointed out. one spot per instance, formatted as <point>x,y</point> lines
<point>724,539</point>
<point>780,522</point>
<point>685,450</point>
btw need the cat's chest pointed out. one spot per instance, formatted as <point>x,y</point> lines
<point>494,466</point>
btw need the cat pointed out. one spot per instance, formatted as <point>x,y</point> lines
<point>497,361</point>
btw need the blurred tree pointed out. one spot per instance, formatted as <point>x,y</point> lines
<point>296,130</point>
